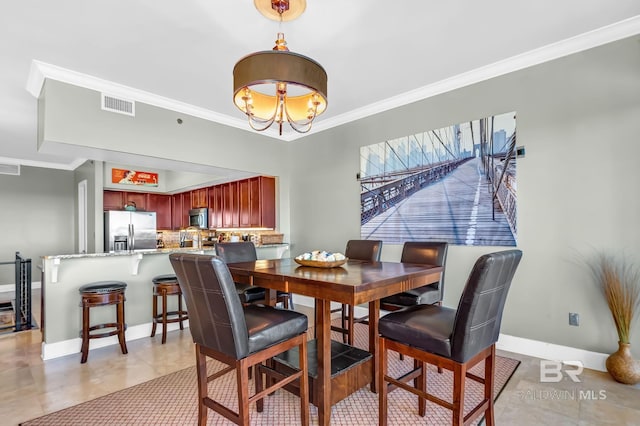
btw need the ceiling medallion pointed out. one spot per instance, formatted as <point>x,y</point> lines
<point>277,85</point>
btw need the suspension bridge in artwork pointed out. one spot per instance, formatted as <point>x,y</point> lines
<point>456,184</point>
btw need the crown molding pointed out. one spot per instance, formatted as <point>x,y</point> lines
<point>77,162</point>
<point>618,31</point>
<point>40,71</point>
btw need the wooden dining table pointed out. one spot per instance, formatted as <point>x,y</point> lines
<point>353,283</point>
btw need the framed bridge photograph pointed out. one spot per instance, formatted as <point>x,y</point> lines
<point>455,184</point>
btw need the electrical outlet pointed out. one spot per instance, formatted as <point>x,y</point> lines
<point>574,319</point>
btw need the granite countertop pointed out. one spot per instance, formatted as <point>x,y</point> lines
<point>149,251</point>
<point>128,253</point>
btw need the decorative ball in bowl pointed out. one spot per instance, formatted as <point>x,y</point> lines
<point>321,259</point>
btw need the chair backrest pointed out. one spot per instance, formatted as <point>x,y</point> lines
<point>364,250</point>
<point>479,313</point>
<point>243,251</point>
<point>429,253</point>
<point>216,316</point>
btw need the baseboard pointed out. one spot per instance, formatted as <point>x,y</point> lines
<point>551,351</point>
<point>6,288</point>
<point>72,346</point>
<point>518,345</point>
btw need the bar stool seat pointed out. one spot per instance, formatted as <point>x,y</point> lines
<point>102,293</point>
<point>163,286</point>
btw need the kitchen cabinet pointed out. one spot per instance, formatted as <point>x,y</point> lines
<point>215,206</point>
<point>180,206</point>
<point>140,198</point>
<point>230,208</point>
<point>199,198</point>
<point>112,200</point>
<point>244,203</point>
<point>161,204</point>
<point>262,203</point>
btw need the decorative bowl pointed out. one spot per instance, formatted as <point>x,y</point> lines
<point>320,264</point>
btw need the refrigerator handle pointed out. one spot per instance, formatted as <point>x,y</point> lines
<point>132,240</point>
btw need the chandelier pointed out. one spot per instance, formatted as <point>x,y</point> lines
<point>277,85</point>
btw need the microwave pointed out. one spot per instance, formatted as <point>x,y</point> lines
<point>199,218</point>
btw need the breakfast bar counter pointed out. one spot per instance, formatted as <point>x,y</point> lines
<point>63,275</point>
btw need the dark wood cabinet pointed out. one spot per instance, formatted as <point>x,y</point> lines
<point>199,198</point>
<point>230,207</point>
<point>262,205</point>
<point>216,206</point>
<point>112,200</point>
<point>161,204</point>
<point>139,198</point>
<point>244,203</point>
<point>180,206</point>
<point>247,203</point>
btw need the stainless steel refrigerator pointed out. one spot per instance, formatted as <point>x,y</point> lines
<point>127,231</point>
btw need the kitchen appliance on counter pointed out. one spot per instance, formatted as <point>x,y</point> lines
<point>199,218</point>
<point>128,230</point>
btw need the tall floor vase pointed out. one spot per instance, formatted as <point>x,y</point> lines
<point>622,367</point>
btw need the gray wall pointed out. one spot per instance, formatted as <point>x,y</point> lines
<point>37,212</point>
<point>578,118</point>
<point>577,185</point>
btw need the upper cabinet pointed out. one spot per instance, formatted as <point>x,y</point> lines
<point>215,206</point>
<point>230,205</point>
<point>161,204</point>
<point>247,203</point>
<point>199,198</point>
<point>180,206</point>
<point>113,200</point>
<point>262,202</point>
<point>139,198</point>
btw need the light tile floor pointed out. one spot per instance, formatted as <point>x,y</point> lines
<point>30,387</point>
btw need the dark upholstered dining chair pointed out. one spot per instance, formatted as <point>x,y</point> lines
<point>423,252</point>
<point>245,251</point>
<point>455,339</point>
<point>236,335</point>
<point>366,250</point>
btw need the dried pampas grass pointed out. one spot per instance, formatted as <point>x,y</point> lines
<point>619,281</point>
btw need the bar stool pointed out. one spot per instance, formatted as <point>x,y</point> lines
<point>163,286</point>
<point>102,293</point>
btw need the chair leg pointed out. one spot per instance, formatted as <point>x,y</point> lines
<point>351,320</point>
<point>290,301</point>
<point>459,376</point>
<point>242,380</point>
<point>85,334</point>
<point>382,385</point>
<point>164,316</point>
<point>304,385</point>
<point>154,321</point>
<point>180,311</point>
<point>420,383</point>
<point>201,371</point>
<point>344,314</point>
<point>489,376</point>
<point>121,324</point>
<point>259,387</point>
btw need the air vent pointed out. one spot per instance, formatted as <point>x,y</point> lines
<point>119,105</point>
<point>10,169</point>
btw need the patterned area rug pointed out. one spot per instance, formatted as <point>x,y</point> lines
<point>172,400</point>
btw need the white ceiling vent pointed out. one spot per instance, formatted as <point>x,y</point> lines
<point>119,105</point>
<point>10,169</point>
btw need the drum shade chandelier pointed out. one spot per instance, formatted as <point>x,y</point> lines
<point>277,85</point>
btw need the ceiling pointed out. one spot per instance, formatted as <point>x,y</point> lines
<point>180,54</point>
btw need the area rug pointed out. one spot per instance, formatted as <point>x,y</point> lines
<point>172,400</point>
